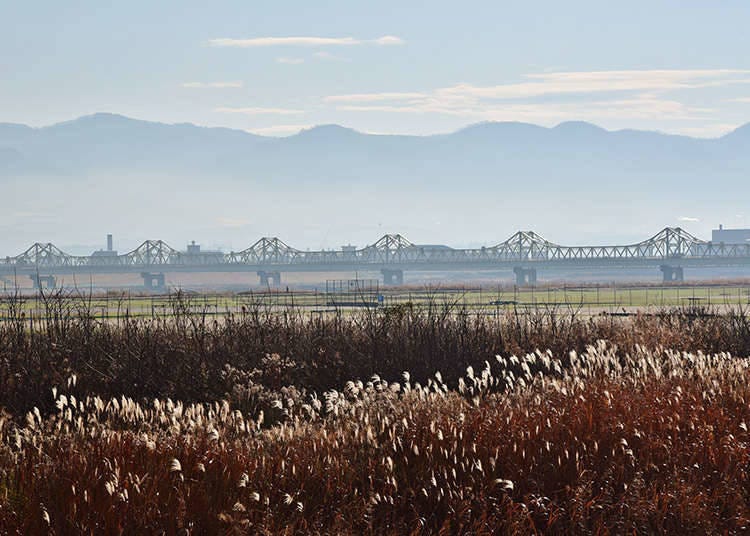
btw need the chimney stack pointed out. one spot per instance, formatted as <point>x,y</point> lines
<point>109,242</point>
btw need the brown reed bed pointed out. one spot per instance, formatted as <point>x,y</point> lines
<point>655,442</point>
<point>195,357</point>
<point>275,422</point>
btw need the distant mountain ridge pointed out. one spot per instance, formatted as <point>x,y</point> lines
<point>328,178</point>
<point>120,123</point>
<point>104,143</point>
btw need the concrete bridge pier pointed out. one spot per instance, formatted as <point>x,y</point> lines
<point>392,277</point>
<point>672,273</point>
<point>273,277</point>
<point>525,276</point>
<point>153,281</point>
<point>43,281</point>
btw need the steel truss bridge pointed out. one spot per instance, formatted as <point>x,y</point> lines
<point>671,250</point>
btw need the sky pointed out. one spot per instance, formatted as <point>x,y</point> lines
<point>273,68</point>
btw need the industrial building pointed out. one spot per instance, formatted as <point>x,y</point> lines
<point>196,255</point>
<point>109,252</point>
<point>730,236</point>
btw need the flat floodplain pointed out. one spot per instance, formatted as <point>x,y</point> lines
<point>588,299</point>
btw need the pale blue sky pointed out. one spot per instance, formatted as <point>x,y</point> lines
<point>390,66</point>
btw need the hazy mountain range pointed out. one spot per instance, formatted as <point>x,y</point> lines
<point>107,142</point>
<point>576,182</point>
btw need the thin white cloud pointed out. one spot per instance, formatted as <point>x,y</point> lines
<point>290,61</point>
<point>376,97</point>
<point>544,84</point>
<point>258,111</point>
<point>303,41</point>
<point>649,76</point>
<point>284,41</point>
<point>213,85</point>
<point>688,219</point>
<point>709,130</point>
<point>564,83</point>
<point>279,130</point>
<point>388,40</point>
<point>745,100</point>
<point>637,94</point>
<point>635,108</point>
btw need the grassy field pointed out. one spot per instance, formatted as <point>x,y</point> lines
<point>396,420</point>
<point>486,300</point>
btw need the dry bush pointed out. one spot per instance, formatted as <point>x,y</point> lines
<point>596,443</point>
<point>268,422</point>
<point>194,357</point>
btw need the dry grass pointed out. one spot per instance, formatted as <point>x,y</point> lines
<point>195,357</point>
<point>619,437</point>
<point>656,442</point>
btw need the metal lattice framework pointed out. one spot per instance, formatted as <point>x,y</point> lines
<point>391,249</point>
<point>266,251</point>
<point>669,243</point>
<point>152,252</point>
<point>41,254</point>
<point>524,245</point>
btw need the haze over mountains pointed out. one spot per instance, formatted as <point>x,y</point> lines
<point>72,182</point>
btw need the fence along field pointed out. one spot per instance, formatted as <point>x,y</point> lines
<point>393,420</point>
<point>587,299</point>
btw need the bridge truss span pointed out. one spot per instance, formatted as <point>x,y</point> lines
<point>668,246</point>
